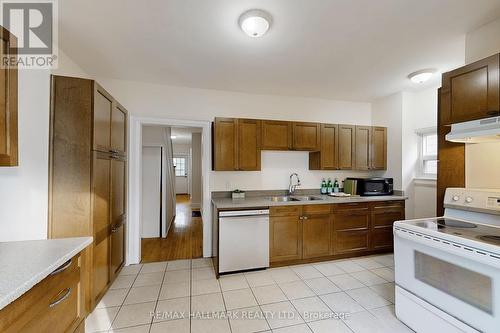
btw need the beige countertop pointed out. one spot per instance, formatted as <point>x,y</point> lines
<point>264,201</point>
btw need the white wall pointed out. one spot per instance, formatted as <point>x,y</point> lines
<point>403,113</point>
<point>419,111</point>
<point>482,42</point>
<point>388,112</point>
<point>24,189</point>
<point>482,161</point>
<point>163,101</point>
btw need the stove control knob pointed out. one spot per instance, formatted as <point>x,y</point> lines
<point>455,198</point>
<point>468,199</point>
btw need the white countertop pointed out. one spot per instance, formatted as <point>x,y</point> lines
<point>25,263</point>
<point>263,201</point>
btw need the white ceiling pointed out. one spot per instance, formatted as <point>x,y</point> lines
<point>338,49</point>
<point>183,134</point>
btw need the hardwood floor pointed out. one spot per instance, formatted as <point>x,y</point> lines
<point>184,239</point>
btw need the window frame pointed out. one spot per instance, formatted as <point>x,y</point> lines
<point>176,167</point>
<point>423,158</point>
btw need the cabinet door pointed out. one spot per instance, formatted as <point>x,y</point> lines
<point>471,92</point>
<point>363,145</point>
<point>285,238</point>
<point>118,129</point>
<point>249,144</point>
<point>118,189</point>
<point>378,156</point>
<point>276,135</point>
<point>316,235</point>
<point>346,147</point>
<point>101,222</point>
<point>103,106</point>
<point>225,144</point>
<point>117,248</point>
<point>306,136</point>
<point>8,103</point>
<point>383,215</point>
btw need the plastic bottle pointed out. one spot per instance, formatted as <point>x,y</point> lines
<point>329,186</point>
<point>323,187</point>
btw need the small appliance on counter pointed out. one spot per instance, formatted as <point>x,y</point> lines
<point>238,194</point>
<point>369,186</point>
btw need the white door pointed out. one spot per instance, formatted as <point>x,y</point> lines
<point>181,164</point>
<point>151,192</point>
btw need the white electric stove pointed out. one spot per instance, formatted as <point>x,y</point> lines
<point>447,269</point>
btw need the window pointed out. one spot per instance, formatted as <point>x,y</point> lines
<point>180,166</point>
<point>428,153</point>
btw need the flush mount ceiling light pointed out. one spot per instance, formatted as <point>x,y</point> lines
<point>255,22</point>
<point>173,137</point>
<point>421,76</point>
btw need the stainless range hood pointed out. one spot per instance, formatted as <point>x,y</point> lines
<point>476,131</point>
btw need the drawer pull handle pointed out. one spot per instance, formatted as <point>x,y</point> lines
<point>61,268</point>
<point>62,298</point>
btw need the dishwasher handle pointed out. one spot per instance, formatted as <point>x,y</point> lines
<point>239,213</point>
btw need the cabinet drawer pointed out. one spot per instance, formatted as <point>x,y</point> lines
<point>349,205</point>
<point>351,241</point>
<point>50,306</point>
<point>285,210</point>
<point>387,204</point>
<point>361,220</point>
<point>316,209</point>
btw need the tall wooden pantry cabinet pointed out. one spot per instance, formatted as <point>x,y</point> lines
<point>87,175</point>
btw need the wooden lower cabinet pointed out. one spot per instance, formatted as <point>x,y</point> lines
<point>55,304</point>
<point>316,221</point>
<point>285,234</point>
<point>309,232</point>
<point>351,225</point>
<point>383,215</point>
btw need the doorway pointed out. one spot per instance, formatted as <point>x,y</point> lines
<point>176,161</point>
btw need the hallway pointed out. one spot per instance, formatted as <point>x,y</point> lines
<point>184,239</point>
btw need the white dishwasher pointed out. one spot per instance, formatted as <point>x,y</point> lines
<point>243,240</point>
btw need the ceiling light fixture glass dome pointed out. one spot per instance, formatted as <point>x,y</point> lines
<point>255,22</point>
<point>422,75</point>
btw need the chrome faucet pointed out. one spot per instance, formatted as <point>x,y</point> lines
<point>292,187</point>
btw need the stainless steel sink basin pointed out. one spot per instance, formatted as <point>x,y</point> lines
<point>307,198</point>
<point>282,198</point>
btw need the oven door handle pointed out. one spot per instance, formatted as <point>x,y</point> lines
<point>471,253</point>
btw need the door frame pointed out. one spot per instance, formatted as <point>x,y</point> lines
<point>133,237</point>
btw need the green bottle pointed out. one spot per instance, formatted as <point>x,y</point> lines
<point>336,187</point>
<point>329,186</point>
<point>323,187</point>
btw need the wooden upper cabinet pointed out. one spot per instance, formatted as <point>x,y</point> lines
<point>118,129</point>
<point>103,107</point>
<point>363,147</point>
<point>8,103</point>
<point>327,158</point>
<point>378,155</point>
<point>225,144</point>
<point>471,92</point>
<point>306,136</point>
<point>249,136</point>
<point>346,147</point>
<point>276,135</point>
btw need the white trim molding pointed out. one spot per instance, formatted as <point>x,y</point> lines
<point>133,241</point>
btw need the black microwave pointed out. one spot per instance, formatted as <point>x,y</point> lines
<point>369,186</point>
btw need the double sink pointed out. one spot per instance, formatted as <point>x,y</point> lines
<point>288,198</point>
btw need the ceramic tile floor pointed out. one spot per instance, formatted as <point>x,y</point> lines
<point>183,296</point>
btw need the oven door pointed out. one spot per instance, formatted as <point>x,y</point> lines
<point>450,278</point>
